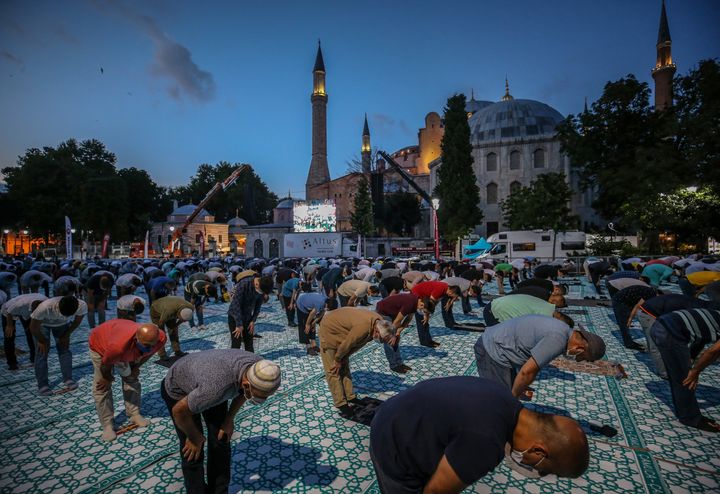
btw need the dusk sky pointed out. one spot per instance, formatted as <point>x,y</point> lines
<point>185,83</point>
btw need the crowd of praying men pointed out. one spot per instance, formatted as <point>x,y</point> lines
<point>440,435</point>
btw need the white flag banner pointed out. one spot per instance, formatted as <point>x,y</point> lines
<point>147,239</point>
<point>68,238</point>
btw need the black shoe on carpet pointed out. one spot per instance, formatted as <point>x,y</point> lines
<point>257,336</point>
<point>346,412</point>
<point>635,346</point>
<point>400,369</point>
<point>708,425</point>
<point>435,344</point>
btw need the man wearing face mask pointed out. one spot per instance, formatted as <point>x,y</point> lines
<point>513,352</point>
<point>442,435</point>
<point>125,345</point>
<point>198,388</point>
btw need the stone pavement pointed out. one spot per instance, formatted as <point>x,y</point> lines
<point>297,443</point>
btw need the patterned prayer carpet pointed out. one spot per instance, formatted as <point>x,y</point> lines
<point>297,443</point>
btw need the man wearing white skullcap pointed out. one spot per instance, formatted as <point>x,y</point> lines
<point>199,386</point>
<point>168,313</point>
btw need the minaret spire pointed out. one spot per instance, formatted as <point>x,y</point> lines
<point>319,172</point>
<point>507,96</point>
<point>664,69</point>
<point>366,150</point>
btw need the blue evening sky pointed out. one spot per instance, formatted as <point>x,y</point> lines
<point>185,83</point>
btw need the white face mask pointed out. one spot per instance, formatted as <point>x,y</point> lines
<point>572,356</point>
<point>514,459</point>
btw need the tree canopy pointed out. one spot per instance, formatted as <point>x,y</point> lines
<point>457,189</point>
<point>639,161</point>
<point>402,213</point>
<point>545,204</point>
<point>249,196</point>
<point>80,180</point>
<point>361,218</point>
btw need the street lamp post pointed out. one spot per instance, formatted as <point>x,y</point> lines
<point>436,232</point>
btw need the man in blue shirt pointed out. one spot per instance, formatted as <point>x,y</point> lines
<point>529,343</point>
<point>311,307</point>
<point>442,435</point>
<point>288,294</point>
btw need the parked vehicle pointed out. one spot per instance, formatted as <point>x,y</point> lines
<point>541,244</point>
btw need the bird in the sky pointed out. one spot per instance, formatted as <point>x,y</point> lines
<point>101,70</point>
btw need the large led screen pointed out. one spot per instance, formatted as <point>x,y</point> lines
<point>314,216</point>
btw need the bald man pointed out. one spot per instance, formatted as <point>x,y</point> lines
<point>442,435</point>
<point>126,345</point>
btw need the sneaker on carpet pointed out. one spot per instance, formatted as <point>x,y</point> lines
<point>70,384</point>
<point>44,391</point>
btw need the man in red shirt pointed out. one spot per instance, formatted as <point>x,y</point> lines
<point>398,309</point>
<point>126,345</point>
<point>434,290</point>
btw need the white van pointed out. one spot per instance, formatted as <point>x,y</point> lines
<point>533,243</point>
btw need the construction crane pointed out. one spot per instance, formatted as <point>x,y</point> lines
<point>433,204</point>
<point>406,176</point>
<point>232,178</point>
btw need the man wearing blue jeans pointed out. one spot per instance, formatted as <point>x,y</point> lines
<point>398,310</point>
<point>59,316</point>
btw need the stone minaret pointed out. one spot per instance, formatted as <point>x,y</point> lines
<point>319,172</point>
<point>365,151</point>
<point>664,67</point>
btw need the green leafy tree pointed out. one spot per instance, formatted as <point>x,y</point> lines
<point>361,219</point>
<point>621,142</point>
<point>402,213</point>
<point>457,189</point>
<point>545,204</point>
<point>147,201</point>
<point>697,106</point>
<point>690,213</point>
<point>249,196</point>
<point>50,184</point>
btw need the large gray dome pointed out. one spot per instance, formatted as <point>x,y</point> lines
<point>513,119</point>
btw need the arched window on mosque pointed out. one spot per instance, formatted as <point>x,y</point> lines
<point>515,160</point>
<point>515,186</point>
<point>492,193</point>
<point>491,162</point>
<point>539,158</point>
<point>258,248</point>
<point>274,248</point>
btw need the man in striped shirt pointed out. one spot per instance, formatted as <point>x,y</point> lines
<point>680,336</point>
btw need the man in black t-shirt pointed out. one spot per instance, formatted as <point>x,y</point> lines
<point>391,285</point>
<point>625,304</point>
<point>442,435</point>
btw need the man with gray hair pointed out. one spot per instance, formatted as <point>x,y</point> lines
<point>197,388</point>
<point>343,332</point>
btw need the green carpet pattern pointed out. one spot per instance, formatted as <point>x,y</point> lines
<point>297,443</point>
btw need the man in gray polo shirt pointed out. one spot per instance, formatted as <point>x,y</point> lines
<point>529,343</point>
<point>200,386</point>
